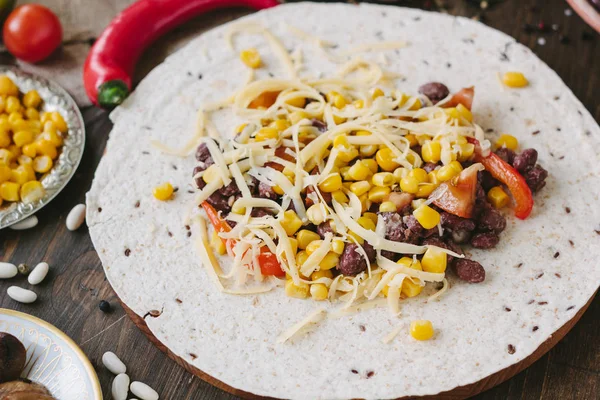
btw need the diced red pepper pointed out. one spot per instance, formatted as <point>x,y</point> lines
<point>463,96</point>
<point>509,176</point>
<point>269,265</point>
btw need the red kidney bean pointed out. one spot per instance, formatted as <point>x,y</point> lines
<point>485,240</point>
<point>525,160</point>
<point>435,91</point>
<point>469,270</point>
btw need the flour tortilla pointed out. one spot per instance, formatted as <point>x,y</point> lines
<point>544,269</point>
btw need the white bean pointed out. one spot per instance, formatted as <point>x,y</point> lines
<point>143,391</point>
<point>76,217</point>
<point>27,223</point>
<point>8,270</point>
<point>113,363</point>
<point>38,274</point>
<point>21,295</point>
<point>120,387</point>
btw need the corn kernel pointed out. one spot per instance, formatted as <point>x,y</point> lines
<point>29,150</point>
<point>12,104</point>
<point>336,99</point>
<point>313,246</point>
<point>318,291</point>
<point>14,117</point>
<point>360,188</point>
<point>359,171</point>
<point>419,174</point>
<point>299,291</point>
<point>332,183</point>
<point>297,116</point>
<point>498,197</point>
<point>409,184</point>
<point>45,116</point>
<point>387,206</point>
<point>431,151</point>
<point>383,179</point>
<point>371,164</point>
<point>433,178</point>
<point>32,114</point>
<point>251,58</point>
<point>427,216</point>
<point>163,192</point>
<point>4,139</point>
<point>32,99</point>
<point>23,174</point>
<point>378,194</point>
<point>422,139</point>
<point>421,330</point>
<point>385,159</point>
<point>410,263</point>
<point>425,189</point>
<point>340,197</point>
<point>46,148</point>
<point>280,124</point>
<point>217,244</point>
<point>305,237</point>
<point>366,223</point>
<point>337,246</point>
<point>368,150</point>
<point>315,214</point>
<point>508,141</point>
<point>466,151</point>
<point>452,113</point>
<point>359,104</point>
<point>464,112</point>
<point>446,173</point>
<point>291,222</point>
<point>321,274</point>
<point>400,173</point>
<point>21,138</point>
<point>8,87</point>
<point>6,156</point>
<point>293,245</point>
<point>9,191</point>
<point>299,102</point>
<point>410,289</point>
<point>365,203</point>
<point>5,173</point>
<point>32,191</point>
<point>41,164</point>
<point>330,260</point>
<point>347,154</point>
<point>266,134</point>
<point>434,260</point>
<point>412,139</point>
<point>377,93</point>
<point>356,237</point>
<point>301,258</point>
<point>515,80</point>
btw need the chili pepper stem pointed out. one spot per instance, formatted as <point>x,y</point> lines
<point>112,93</point>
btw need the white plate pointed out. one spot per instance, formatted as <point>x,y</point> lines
<point>53,359</point>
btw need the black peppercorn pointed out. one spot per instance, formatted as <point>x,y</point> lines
<point>104,306</point>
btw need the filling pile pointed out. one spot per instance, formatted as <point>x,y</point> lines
<point>349,189</point>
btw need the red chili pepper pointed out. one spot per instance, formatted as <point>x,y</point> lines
<point>269,265</point>
<point>111,61</point>
<point>506,174</point>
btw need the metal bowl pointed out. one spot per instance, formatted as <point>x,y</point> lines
<point>55,98</point>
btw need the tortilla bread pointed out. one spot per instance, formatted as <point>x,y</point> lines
<point>544,269</point>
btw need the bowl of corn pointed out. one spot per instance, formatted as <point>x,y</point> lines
<point>42,137</point>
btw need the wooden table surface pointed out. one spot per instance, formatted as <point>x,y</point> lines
<point>70,295</point>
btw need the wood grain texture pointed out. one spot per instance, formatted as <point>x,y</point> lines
<point>69,296</point>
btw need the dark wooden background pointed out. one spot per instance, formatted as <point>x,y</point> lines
<point>70,295</point>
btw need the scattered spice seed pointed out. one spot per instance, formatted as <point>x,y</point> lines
<point>556,254</point>
<point>542,303</point>
<point>23,269</point>
<point>597,231</point>
<point>542,27</point>
<point>507,309</point>
<point>137,204</point>
<point>519,265</point>
<point>187,227</point>
<point>193,356</point>
<point>541,41</point>
<point>370,374</point>
<point>145,152</point>
<point>127,252</point>
<point>104,306</point>
<point>99,209</point>
<point>354,371</point>
<point>178,301</point>
<point>511,349</point>
<point>571,243</point>
<point>531,301</point>
<point>169,233</point>
<point>558,275</point>
<point>535,328</point>
<point>199,76</point>
<point>538,276</point>
<point>555,27</point>
<point>570,308</point>
<point>568,12</point>
<point>362,328</point>
<point>567,210</point>
<point>189,234</point>
<point>535,133</point>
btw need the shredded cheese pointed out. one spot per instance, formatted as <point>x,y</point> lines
<point>312,318</point>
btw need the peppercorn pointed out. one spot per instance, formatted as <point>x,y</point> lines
<point>104,306</point>
<point>23,269</point>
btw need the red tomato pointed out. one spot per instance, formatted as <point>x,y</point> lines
<point>457,196</point>
<point>269,264</point>
<point>32,32</point>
